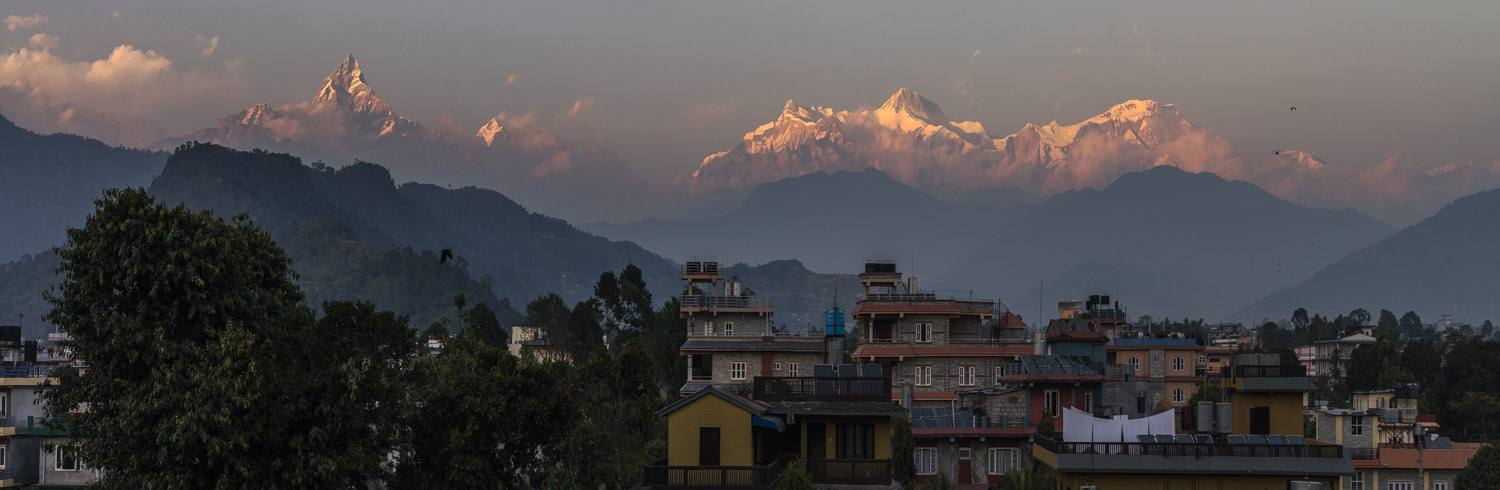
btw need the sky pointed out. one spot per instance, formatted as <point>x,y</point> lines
<point>664,84</point>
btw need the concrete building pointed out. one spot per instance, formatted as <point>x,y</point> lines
<point>1176,362</point>
<point>1434,467</point>
<point>1333,355</point>
<point>532,341</point>
<point>731,339</point>
<point>1263,447</point>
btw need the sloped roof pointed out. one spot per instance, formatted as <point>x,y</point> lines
<point>754,407</point>
<point>1009,320</point>
<point>1432,459</point>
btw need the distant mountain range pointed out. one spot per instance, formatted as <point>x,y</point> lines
<point>1445,264</point>
<point>47,183</point>
<point>1163,240</point>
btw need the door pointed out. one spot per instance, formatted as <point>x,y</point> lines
<point>817,445</point>
<point>1260,420</point>
<point>708,446</point>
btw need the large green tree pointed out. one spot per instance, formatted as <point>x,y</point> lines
<point>1483,470</point>
<point>618,396</point>
<point>481,418</point>
<point>205,370</point>
<point>903,453</point>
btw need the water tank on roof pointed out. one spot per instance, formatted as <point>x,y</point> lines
<point>1223,418</point>
<point>880,268</point>
<point>1204,418</point>
<point>833,321</point>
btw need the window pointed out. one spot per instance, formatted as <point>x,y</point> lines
<point>1001,460</point>
<point>1399,485</point>
<point>926,460</point>
<point>964,453</point>
<point>1049,402</point>
<point>1442,485</point>
<point>728,329</point>
<point>737,370</point>
<point>1179,395</point>
<point>775,366</point>
<point>1179,364</point>
<point>1135,364</point>
<point>1358,482</point>
<point>708,328</point>
<point>1379,403</point>
<point>855,441</point>
<point>924,375</point>
<point>4,404</point>
<point>791,369</point>
<point>1356,425</point>
<point>966,376</point>
<point>924,332</point>
<point>67,460</point>
<point>1088,402</point>
<point>2,456</point>
<point>1140,404</point>
<point>999,371</point>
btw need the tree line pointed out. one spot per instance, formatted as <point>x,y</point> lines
<point>206,368</point>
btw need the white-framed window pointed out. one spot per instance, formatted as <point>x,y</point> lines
<point>1049,402</point>
<point>1356,425</point>
<point>1179,364</point>
<point>708,328</point>
<point>728,329</point>
<point>1380,403</point>
<point>924,332</point>
<point>926,459</point>
<point>1358,482</point>
<point>791,369</point>
<point>1400,485</point>
<point>999,371</point>
<point>1179,395</point>
<point>4,404</point>
<point>737,370</point>
<point>964,453</point>
<point>1441,485</point>
<point>4,453</point>
<point>1135,364</point>
<point>924,375</point>
<point>67,459</point>
<point>775,366</point>
<point>1002,460</point>
<point>966,375</point>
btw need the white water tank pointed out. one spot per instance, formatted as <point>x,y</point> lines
<point>1223,418</point>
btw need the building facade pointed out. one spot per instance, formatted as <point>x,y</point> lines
<point>731,339</point>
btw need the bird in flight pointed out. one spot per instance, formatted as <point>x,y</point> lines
<point>1278,152</point>
<point>447,254</point>
<point>1294,108</point>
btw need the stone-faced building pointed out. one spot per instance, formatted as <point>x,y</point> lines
<point>730,335</point>
<point>1173,361</point>
<point>947,354</point>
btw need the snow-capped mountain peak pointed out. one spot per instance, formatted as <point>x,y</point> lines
<point>345,88</point>
<point>908,102</point>
<point>491,130</point>
<point>1299,159</point>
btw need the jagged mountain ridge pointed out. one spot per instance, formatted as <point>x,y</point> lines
<point>911,139</point>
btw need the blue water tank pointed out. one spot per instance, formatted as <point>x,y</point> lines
<point>833,323</point>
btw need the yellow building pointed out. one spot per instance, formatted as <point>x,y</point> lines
<point>841,427</point>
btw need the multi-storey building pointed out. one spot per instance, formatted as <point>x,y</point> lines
<point>1258,445</point>
<point>532,341</point>
<point>947,355</point>
<point>1173,361</point>
<point>1332,356</point>
<point>731,336</point>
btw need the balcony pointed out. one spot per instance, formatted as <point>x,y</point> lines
<point>661,476</point>
<point>1364,453</point>
<point>26,371</point>
<point>850,471</point>
<point>700,269</point>
<point>1396,415</point>
<point>695,302</point>
<point>1207,457</point>
<point>822,388</point>
<point>1298,371</point>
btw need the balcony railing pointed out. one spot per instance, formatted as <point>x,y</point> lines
<point>850,471</point>
<point>822,388</point>
<point>961,421</point>
<point>25,371</point>
<point>1396,415</point>
<point>1364,453</point>
<point>697,268</point>
<point>660,476</point>
<point>1298,371</point>
<point>1190,449</point>
<point>706,301</point>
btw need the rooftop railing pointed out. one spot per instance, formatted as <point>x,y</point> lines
<point>25,371</point>
<point>706,301</point>
<point>1190,449</point>
<point>822,388</point>
<point>661,475</point>
<point>1297,371</point>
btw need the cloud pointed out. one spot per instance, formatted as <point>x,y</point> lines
<point>117,14</point>
<point>711,111</point>
<point>129,82</point>
<point>1078,51</point>
<point>977,53</point>
<point>209,44</point>
<point>43,41</point>
<point>16,22</point>
<point>512,78</point>
<point>579,106</point>
<point>962,86</point>
<point>33,108</point>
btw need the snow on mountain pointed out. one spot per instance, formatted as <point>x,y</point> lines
<point>910,138</point>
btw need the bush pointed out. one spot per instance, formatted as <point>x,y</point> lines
<point>1483,470</point>
<point>794,476</point>
<point>903,457</point>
